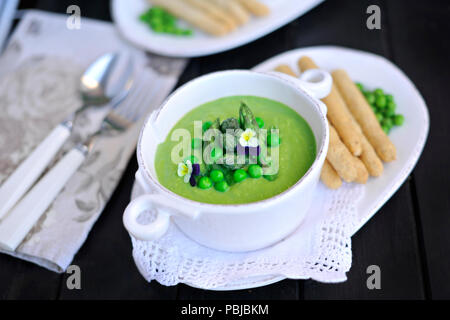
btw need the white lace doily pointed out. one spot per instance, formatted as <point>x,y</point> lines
<point>319,249</point>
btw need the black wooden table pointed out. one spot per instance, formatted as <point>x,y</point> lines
<point>409,238</point>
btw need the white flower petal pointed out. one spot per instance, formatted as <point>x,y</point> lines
<point>242,141</point>
<point>248,138</point>
<point>189,166</point>
<point>187,177</point>
<point>182,170</point>
<point>253,142</point>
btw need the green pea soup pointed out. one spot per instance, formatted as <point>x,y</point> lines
<point>297,151</point>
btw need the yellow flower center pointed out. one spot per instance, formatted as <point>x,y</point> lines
<point>247,136</point>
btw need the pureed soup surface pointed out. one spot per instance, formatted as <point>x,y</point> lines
<point>296,155</point>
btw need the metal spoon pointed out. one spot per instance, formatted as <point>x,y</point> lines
<point>19,221</point>
<point>93,92</point>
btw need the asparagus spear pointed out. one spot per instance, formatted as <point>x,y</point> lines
<point>248,121</point>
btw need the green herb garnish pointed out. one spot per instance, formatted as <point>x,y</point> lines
<point>235,150</point>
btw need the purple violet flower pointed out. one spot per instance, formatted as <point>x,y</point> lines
<point>195,169</point>
<point>192,181</point>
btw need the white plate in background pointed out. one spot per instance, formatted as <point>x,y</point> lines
<point>126,14</point>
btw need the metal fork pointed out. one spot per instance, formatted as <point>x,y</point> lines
<point>21,219</point>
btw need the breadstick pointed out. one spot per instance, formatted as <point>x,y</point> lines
<point>329,176</point>
<point>193,15</point>
<point>368,156</point>
<point>215,12</point>
<point>364,115</point>
<point>338,114</point>
<point>284,68</point>
<point>340,158</point>
<point>235,9</point>
<point>257,8</point>
<point>361,171</point>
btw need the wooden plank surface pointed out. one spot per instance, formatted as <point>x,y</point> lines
<point>284,290</point>
<point>408,238</point>
<point>389,242</point>
<point>23,280</point>
<point>422,50</point>
<point>389,239</point>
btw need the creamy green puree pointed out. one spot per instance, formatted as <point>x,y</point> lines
<point>297,151</point>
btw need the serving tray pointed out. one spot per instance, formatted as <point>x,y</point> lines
<point>126,13</point>
<point>373,71</point>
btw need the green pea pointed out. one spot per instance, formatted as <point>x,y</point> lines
<point>255,171</point>
<point>370,98</point>
<point>273,140</point>
<point>379,116</point>
<point>216,175</point>
<point>380,101</point>
<point>170,29</point>
<point>271,177</point>
<point>205,183</point>
<point>206,125</point>
<point>389,98</point>
<point>260,122</point>
<point>379,92</point>
<point>391,106</point>
<point>360,86</point>
<point>399,119</point>
<point>183,32</point>
<point>157,11</point>
<point>221,186</point>
<point>196,143</point>
<point>387,122</point>
<point>388,113</point>
<point>386,129</point>
<point>158,28</point>
<point>239,175</point>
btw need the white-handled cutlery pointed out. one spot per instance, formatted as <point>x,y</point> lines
<point>93,92</point>
<point>7,11</point>
<point>19,221</point>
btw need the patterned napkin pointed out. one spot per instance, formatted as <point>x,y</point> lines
<point>39,76</point>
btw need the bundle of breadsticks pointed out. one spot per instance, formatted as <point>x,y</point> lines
<point>358,144</point>
<point>216,17</point>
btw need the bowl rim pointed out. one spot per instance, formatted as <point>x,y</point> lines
<point>276,198</point>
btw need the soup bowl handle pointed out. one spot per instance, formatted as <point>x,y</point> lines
<point>163,209</point>
<point>315,82</point>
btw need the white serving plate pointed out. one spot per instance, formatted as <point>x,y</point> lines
<point>126,13</point>
<point>373,71</point>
